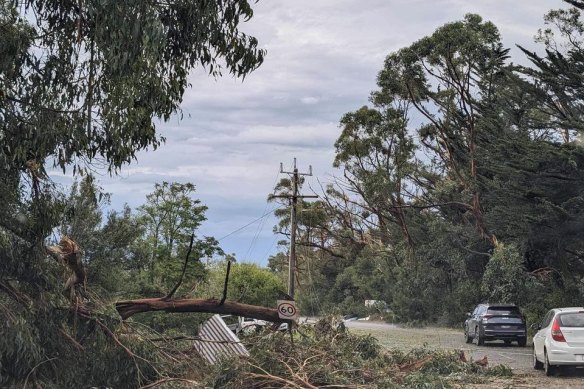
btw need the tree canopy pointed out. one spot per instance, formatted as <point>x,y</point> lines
<point>83,85</point>
<point>461,181</point>
<point>85,81</point>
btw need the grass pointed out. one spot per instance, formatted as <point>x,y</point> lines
<point>408,338</point>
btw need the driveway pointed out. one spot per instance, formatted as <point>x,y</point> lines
<point>517,358</point>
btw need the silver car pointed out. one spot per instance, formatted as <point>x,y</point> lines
<point>559,340</point>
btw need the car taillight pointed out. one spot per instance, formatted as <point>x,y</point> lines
<point>486,318</point>
<point>556,332</point>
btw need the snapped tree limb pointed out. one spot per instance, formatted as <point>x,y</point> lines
<point>128,308</point>
<point>68,253</point>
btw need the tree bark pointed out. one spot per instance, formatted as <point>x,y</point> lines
<point>131,307</point>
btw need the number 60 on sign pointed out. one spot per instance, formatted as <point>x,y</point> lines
<point>287,310</point>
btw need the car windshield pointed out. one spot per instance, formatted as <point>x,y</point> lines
<point>575,319</point>
<point>503,311</point>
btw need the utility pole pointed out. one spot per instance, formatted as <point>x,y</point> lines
<point>293,223</point>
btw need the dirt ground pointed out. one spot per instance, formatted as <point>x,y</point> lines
<point>517,358</point>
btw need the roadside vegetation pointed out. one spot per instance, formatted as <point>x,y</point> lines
<point>461,182</point>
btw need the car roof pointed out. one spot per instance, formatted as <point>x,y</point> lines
<point>502,305</point>
<point>569,309</point>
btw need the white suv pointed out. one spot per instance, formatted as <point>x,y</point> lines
<point>559,340</point>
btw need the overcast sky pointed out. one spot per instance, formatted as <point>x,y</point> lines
<point>322,61</point>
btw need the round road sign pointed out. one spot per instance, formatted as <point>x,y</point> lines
<point>287,309</point>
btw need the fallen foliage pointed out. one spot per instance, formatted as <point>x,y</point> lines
<point>326,355</point>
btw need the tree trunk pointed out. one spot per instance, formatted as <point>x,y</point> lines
<point>131,307</point>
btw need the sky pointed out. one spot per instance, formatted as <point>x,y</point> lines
<point>322,61</point>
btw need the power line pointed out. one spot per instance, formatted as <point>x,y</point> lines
<point>260,227</point>
<point>267,253</point>
<point>250,223</point>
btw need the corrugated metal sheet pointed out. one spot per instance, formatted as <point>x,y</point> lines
<point>218,341</point>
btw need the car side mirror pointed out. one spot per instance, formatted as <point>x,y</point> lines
<point>468,314</point>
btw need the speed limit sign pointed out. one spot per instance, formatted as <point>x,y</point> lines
<point>287,310</point>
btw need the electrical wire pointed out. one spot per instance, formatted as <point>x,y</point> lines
<point>250,223</point>
<point>260,227</point>
<point>266,255</point>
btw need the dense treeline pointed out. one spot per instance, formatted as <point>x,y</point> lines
<point>462,181</point>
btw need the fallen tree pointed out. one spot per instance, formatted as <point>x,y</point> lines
<point>128,308</point>
<point>131,307</point>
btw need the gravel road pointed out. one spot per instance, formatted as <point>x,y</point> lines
<point>517,358</point>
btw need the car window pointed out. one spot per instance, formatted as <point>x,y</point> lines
<point>481,310</point>
<point>476,311</point>
<point>547,319</point>
<point>503,311</point>
<point>575,319</point>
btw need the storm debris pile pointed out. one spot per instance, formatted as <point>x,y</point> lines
<point>328,355</point>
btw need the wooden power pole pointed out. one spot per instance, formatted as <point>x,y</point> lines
<point>293,223</point>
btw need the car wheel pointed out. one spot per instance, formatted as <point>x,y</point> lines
<point>522,342</point>
<point>537,365</point>
<point>479,338</point>
<point>549,369</point>
<point>467,337</point>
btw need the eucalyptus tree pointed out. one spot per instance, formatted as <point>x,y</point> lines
<point>91,76</point>
<point>449,78</point>
<point>86,82</point>
<point>248,284</point>
<point>83,213</point>
<point>170,218</point>
<point>83,85</point>
<point>377,156</point>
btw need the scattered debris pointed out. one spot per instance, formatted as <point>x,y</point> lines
<point>217,341</point>
<point>484,361</point>
<point>416,365</point>
<point>326,354</point>
<point>464,356</point>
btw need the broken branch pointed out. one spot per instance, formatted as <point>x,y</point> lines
<point>131,307</point>
<point>226,282</point>
<point>184,269</point>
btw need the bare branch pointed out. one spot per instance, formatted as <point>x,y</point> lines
<point>226,282</point>
<point>180,280</point>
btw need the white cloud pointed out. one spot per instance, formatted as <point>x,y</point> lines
<point>309,100</point>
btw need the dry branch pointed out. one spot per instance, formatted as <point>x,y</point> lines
<point>131,307</point>
<point>484,361</point>
<point>415,365</point>
<point>226,283</point>
<point>184,269</point>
